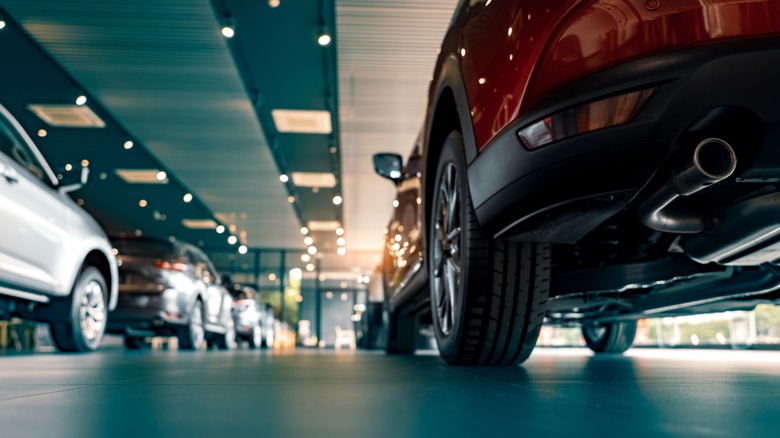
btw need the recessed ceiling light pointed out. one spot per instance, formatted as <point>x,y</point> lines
<point>273,3</point>
<point>228,32</point>
<point>68,167</point>
<point>324,39</point>
<point>310,267</point>
<point>129,144</point>
<point>304,230</point>
<point>81,100</point>
<point>199,224</point>
<point>220,229</point>
<point>339,231</point>
<point>232,240</point>
<point>138,233</point>
<point>305,258</point>
<point>161,175</point>
<point>141,176</point>
<point>68,116</point>
<point>284,178</point>
<point>341,241</point>
<point>314,179</point>
<point>341,250</point>
<point>42,133</point>
<point>2,23</point>
<point>308,240</point>
<point>188,198</point>
<point>242,249</point>
<point>302,121</point>
<point>312,250</point>
<point>291,199</point>
<point>84,163</point>
<point>142,203</point>
<point>337,200</point>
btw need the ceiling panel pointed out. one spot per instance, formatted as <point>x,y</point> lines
<point>163,69</point>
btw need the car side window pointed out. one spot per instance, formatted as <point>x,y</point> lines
<point>11,146</point>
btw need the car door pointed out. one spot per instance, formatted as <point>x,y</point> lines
<point>34,216</point>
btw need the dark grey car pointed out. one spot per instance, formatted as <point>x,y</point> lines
<point>170,289</point>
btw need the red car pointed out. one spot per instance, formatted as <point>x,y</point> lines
<point>587,163</point>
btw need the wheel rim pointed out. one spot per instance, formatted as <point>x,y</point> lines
<point>446,249</point>
<point>92,312</point>
<point>196,327</point>
<point>595,332</point>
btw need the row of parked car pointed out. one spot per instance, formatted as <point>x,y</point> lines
<point>58,266</point>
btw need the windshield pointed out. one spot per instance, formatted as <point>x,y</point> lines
<point>143,248</point>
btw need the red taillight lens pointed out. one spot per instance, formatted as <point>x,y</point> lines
<point>171,266</point>
<point>612,111</point>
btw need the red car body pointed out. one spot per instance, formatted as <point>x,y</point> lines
<point>625,151</point>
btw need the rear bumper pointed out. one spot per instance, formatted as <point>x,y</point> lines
<point>513,188</point>
<point>161,312</point>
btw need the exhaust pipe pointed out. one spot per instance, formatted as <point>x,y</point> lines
<point>712,161</point>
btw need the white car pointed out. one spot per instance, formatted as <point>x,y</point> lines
<point>56,264</point>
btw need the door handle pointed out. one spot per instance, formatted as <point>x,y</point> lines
<point>9,174</point>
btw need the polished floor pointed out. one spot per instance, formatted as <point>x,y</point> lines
<point>313,393</point>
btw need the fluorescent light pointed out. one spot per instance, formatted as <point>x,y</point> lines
<point>324,225</point>
<point>199,224</point>
<point>314,179</point>
<point>141,176</point>
<point>302,121</point>
<point>67,116</point>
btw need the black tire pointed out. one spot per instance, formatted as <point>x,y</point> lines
<point>400,332</point>
<point>193,335</point>
<point>614,337</point>
<point>83,314</point>
<point>134,342</point>
<point>488,297</point>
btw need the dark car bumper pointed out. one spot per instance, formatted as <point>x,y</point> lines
<point>589,177</point>
<point>160,312</point>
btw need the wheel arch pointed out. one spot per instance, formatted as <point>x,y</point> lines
<point>99,260</point>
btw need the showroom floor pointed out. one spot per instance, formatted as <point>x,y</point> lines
<point>309,393</point>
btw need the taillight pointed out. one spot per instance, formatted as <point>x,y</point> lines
<point>612,111</point>
<point>171,266</point>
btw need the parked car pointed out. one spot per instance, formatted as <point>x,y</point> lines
<point>56,265</point>
<point>247,314</point>
<point>170,288</point>
<point>588,164</point>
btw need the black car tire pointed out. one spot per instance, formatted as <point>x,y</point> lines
<point>85,314</point>
<point>193,335</point>
<point>400,332</point>
<point>614,337</point>
<point>488,296</point>
<point>134,342</point>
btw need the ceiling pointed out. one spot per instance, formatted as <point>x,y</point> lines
<point>198,106</point>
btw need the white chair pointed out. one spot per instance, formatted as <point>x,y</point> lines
<point>345,337</point>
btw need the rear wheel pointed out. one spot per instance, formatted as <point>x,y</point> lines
<point>400,332</point>
<point>193,335</point>
<point>614,337</point>
<point>488,297</point>
<point>227,341</point>
<point>85,314</point>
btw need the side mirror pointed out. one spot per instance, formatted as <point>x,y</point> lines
<point>74,180</point>
<point>388,166</point>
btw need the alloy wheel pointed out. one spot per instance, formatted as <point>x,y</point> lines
<point>446,248</point>
<point>92,311</point>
